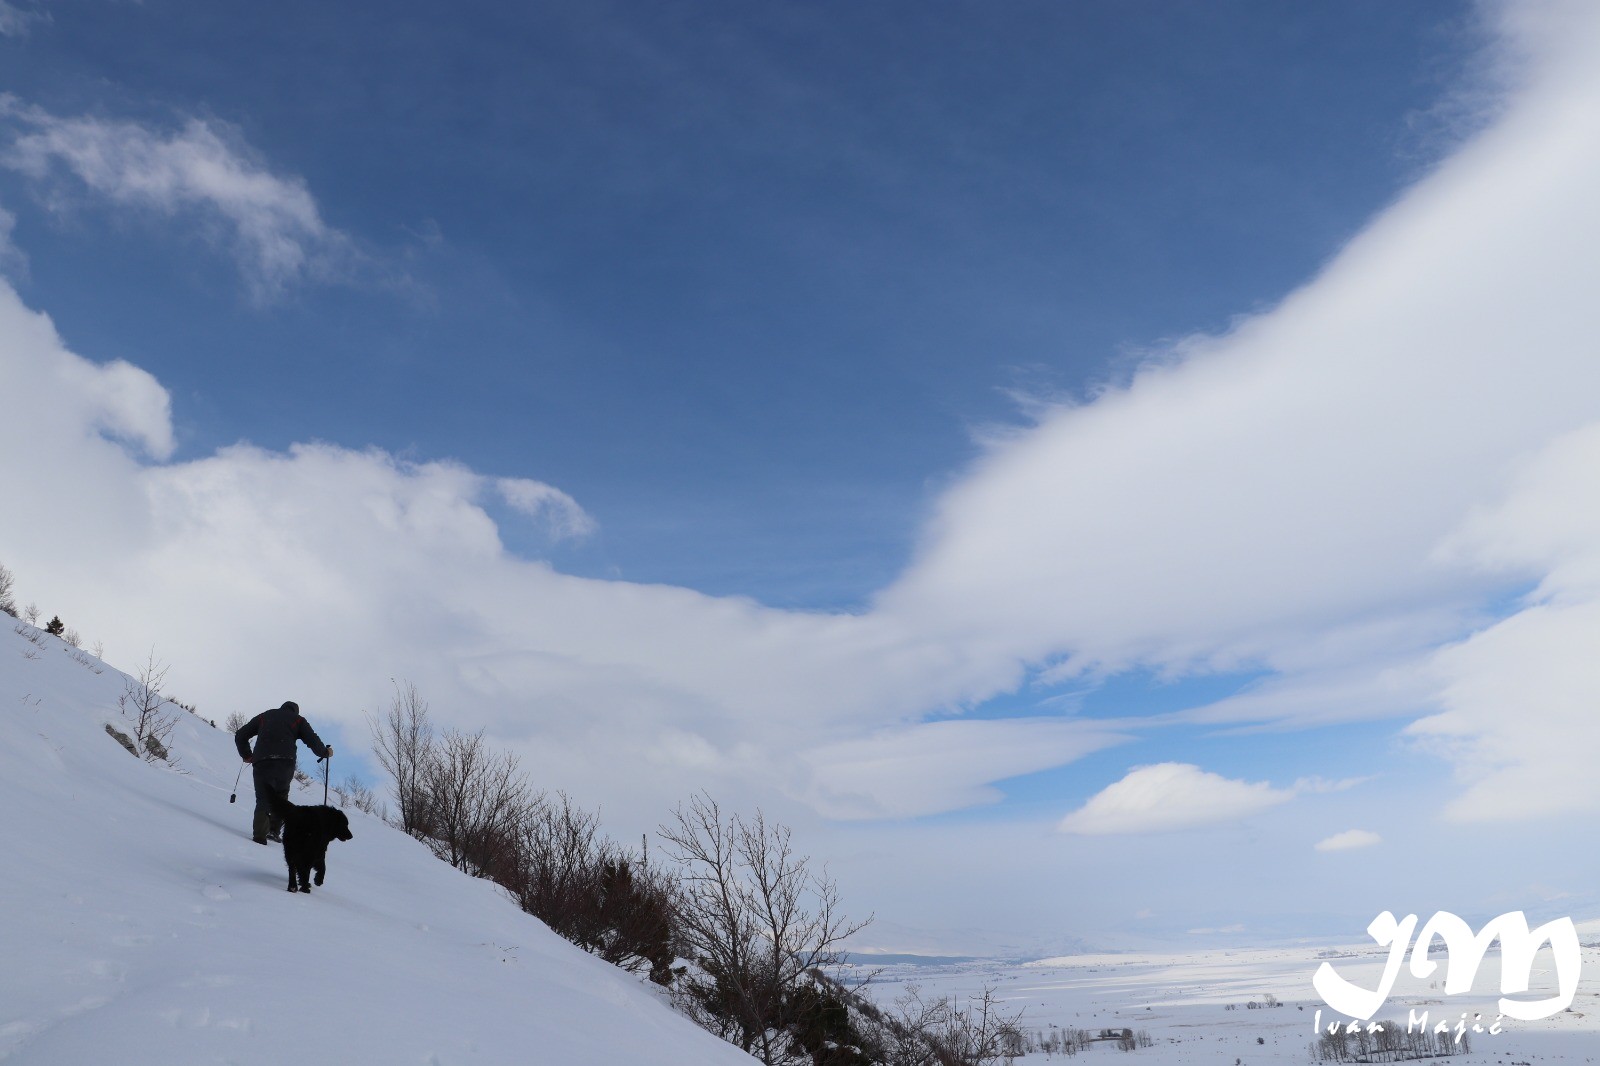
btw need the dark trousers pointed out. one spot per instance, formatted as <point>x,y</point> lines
<point>272,777</point>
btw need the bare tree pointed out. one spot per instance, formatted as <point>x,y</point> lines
<point>8,602</point>
<point>474,797</point>
<point>142,702</point>
<point>235,721</point>
<point>584,886</point>
<point>99,650</point>
<point>941,1032</point>
<point>756,921</point>
<point>561,846</point>
<point>403,741</point>
<point>474,808</point>
<point>71,636</point>
<point>358,794</point>
<point>31,614</point>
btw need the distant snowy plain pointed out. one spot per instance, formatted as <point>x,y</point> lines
<point>1183,1000</point>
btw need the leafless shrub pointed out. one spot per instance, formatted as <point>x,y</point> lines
<point>602,897</point>
<point>31,614</point>
<point>84,659</point>
<point>403,742</point>
<point>1392,1042</point>
<point>29,633</point>
<point>943,1032</point>
<point>71,636</point>
<point>356,793</point>
<point>452,791</point>
<point>142,702</point>
<point>756,921</point>
<point>8,603</point>
<point>474,798</point>
<point>1058,1041</point>
<point>235,721</point>
<point>475,809</point>
<point>99,650</point>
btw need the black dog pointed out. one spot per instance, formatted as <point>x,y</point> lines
<point>307,832</point>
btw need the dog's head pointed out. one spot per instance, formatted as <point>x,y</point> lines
<point>333,825</point>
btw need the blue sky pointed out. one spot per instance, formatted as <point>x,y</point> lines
<point>972,430</point>
<point>741,278</point>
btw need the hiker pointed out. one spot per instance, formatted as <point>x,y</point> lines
<point>272,763</point>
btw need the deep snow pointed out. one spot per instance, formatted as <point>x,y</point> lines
<point>139,925</point>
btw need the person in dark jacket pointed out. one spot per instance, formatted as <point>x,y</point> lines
<point>272,761</point>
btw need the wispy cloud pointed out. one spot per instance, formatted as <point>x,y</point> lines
<point>939,766</point>
<point>1518,698</point>
<point>559,512</point>
<point>268,222</point>
<point>18,22</point>
<point>12,262</point>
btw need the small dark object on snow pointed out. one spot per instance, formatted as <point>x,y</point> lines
<point>123,739</point>
<point>307,832</point>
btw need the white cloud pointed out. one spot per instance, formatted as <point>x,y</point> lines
<point>1168,796</point>
<point>1348,840</point>
<point>939,766</point>
<point>547,504</point>
<point>1297,496</point>
<point>1326,492</point>
<point>325,571</point>
<point>1519,699</point>
<point>117,399</point>
<point>269,222</point>
<point>1297,475</point>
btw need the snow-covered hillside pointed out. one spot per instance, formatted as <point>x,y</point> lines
<point>140,925</point>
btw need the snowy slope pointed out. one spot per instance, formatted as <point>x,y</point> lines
<point>140,925</point>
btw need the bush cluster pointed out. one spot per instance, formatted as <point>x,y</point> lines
<point>746,934</point>
<point>475,809</point>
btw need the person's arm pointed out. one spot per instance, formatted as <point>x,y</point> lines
<point>312,741</point>
<point>241,739</point>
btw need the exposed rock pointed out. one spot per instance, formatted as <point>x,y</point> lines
<point>123,739</point>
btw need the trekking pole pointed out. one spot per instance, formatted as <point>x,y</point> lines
<point>235,793</point>
<point>327,768</point>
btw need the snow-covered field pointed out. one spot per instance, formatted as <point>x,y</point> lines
<point>139,925</point>
<point>1183,1001</point>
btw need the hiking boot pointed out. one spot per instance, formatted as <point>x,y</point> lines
<point>259,840</point>
<point>276,836</point>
